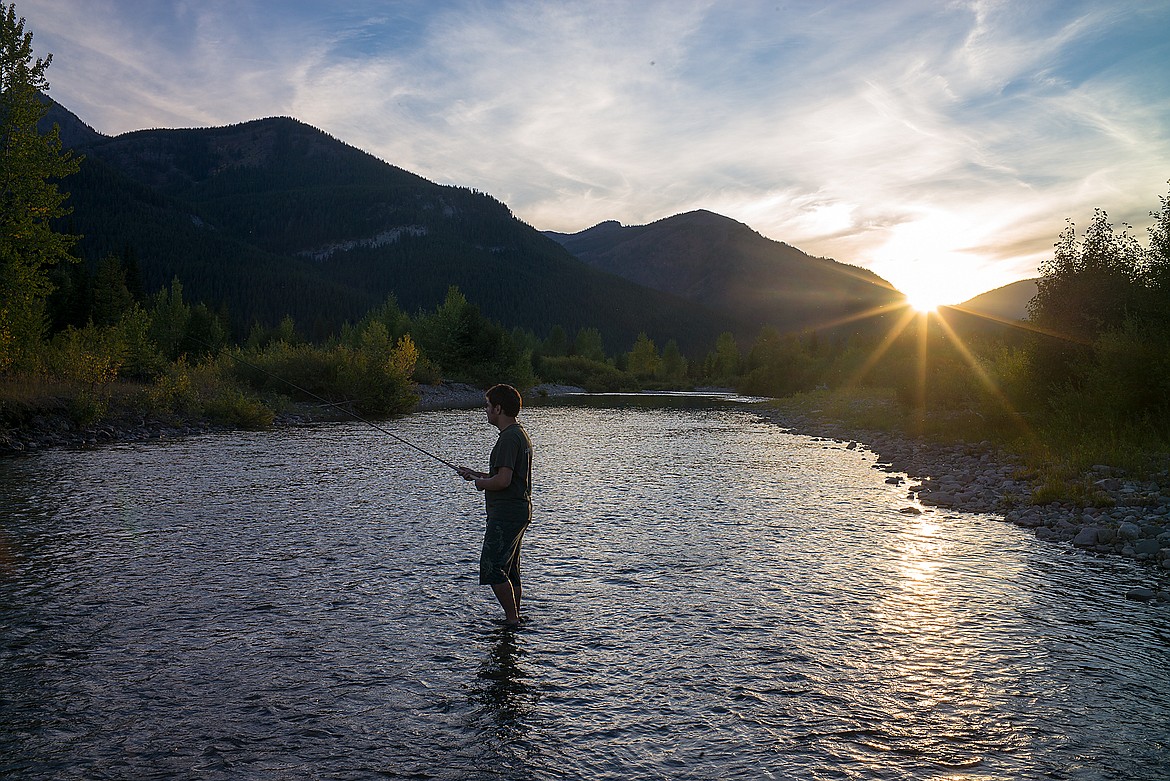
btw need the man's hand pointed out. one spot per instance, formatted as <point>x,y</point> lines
<point>468,473</point>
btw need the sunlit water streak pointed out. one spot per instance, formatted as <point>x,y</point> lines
<point>708,597</point>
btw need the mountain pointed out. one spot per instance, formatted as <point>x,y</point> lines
<point>74,132</point>
<point>275,217</point>
<point>1009,302</point>
<point>725,265</point>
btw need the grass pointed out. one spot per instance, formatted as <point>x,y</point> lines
<point>182,394</point>
<point>19,394</point>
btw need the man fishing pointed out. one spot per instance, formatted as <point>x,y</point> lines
<point>507,487</point>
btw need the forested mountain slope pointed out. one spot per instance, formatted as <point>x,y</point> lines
<point>1009,302</point>
<point>724,264</point>
<point>274,217</point>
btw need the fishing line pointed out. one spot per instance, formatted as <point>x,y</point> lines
<point>344,409</point>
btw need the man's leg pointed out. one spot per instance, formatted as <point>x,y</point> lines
<point>508,601</point>
<point>514,571</point>
<point>502,555</point>
<point>517,591</point>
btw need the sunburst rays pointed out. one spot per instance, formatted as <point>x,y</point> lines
<point>925,319</point>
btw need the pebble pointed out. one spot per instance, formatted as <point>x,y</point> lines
<point>448,395</point>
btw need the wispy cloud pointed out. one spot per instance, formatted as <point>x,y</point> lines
<point>937,143</point>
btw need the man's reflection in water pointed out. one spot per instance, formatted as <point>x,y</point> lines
<point>505,698</point>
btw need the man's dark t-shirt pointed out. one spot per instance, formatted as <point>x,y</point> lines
<point>513,449</point>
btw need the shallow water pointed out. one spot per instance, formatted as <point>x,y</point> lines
<point>707,597</point>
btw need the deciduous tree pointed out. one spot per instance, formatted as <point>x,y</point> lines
<point>643,360</point>
<point>1091,285</point>
<point>723,364</point>
<point>674,366</point>
<point>1088,287</point>
<point>1158,257</point>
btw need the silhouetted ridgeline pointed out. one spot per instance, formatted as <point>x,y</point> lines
<point>718,262</point>
<point>274,217</point>
<point>1009,302</point>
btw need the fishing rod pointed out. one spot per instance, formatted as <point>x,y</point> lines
<point>341,407</point>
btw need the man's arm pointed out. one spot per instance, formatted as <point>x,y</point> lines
<point>497,482</point>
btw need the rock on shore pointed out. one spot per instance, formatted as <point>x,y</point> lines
<point>448,395</point>
<point>976,477</point>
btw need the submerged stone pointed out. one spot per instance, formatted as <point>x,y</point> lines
<point>1147,547</point>
<point>1140,594</point>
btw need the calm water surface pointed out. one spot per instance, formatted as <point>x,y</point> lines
<point>708,597</point>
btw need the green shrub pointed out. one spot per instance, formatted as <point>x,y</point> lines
<point>377,375</point>
<point>234,408</point>
<point>92,355</point>
<point>173,391</point>
<point>373,377</point>
<point>592,375</point>
<point>88,406</point>
<point>304,371</point>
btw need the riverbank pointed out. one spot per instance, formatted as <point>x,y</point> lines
<point>1133,519</point>
<point>456,395</point>
<point>53,426</point>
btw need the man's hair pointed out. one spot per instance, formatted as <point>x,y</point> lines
<point>506,397</point>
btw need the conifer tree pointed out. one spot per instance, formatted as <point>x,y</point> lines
<point>674,366</point>
<point>29,199</point>
<point>169,317</point>
<point>557,342</point>
<point>111,296</point>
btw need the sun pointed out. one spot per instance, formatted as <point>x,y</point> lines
<point>926,296</point>
<point>923,303</point>
<point>929,260</point>
<point>927,290</point>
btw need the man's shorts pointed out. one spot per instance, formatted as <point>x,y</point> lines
<point>500,558</point>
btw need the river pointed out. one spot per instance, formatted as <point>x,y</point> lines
<point>707,596</point>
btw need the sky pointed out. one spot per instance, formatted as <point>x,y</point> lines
<point>941,144</point>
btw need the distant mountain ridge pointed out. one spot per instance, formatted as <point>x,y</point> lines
<point>724,264</point>
<point>1009,302</point>
<point>74,132</point>
<point>275,217</point>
